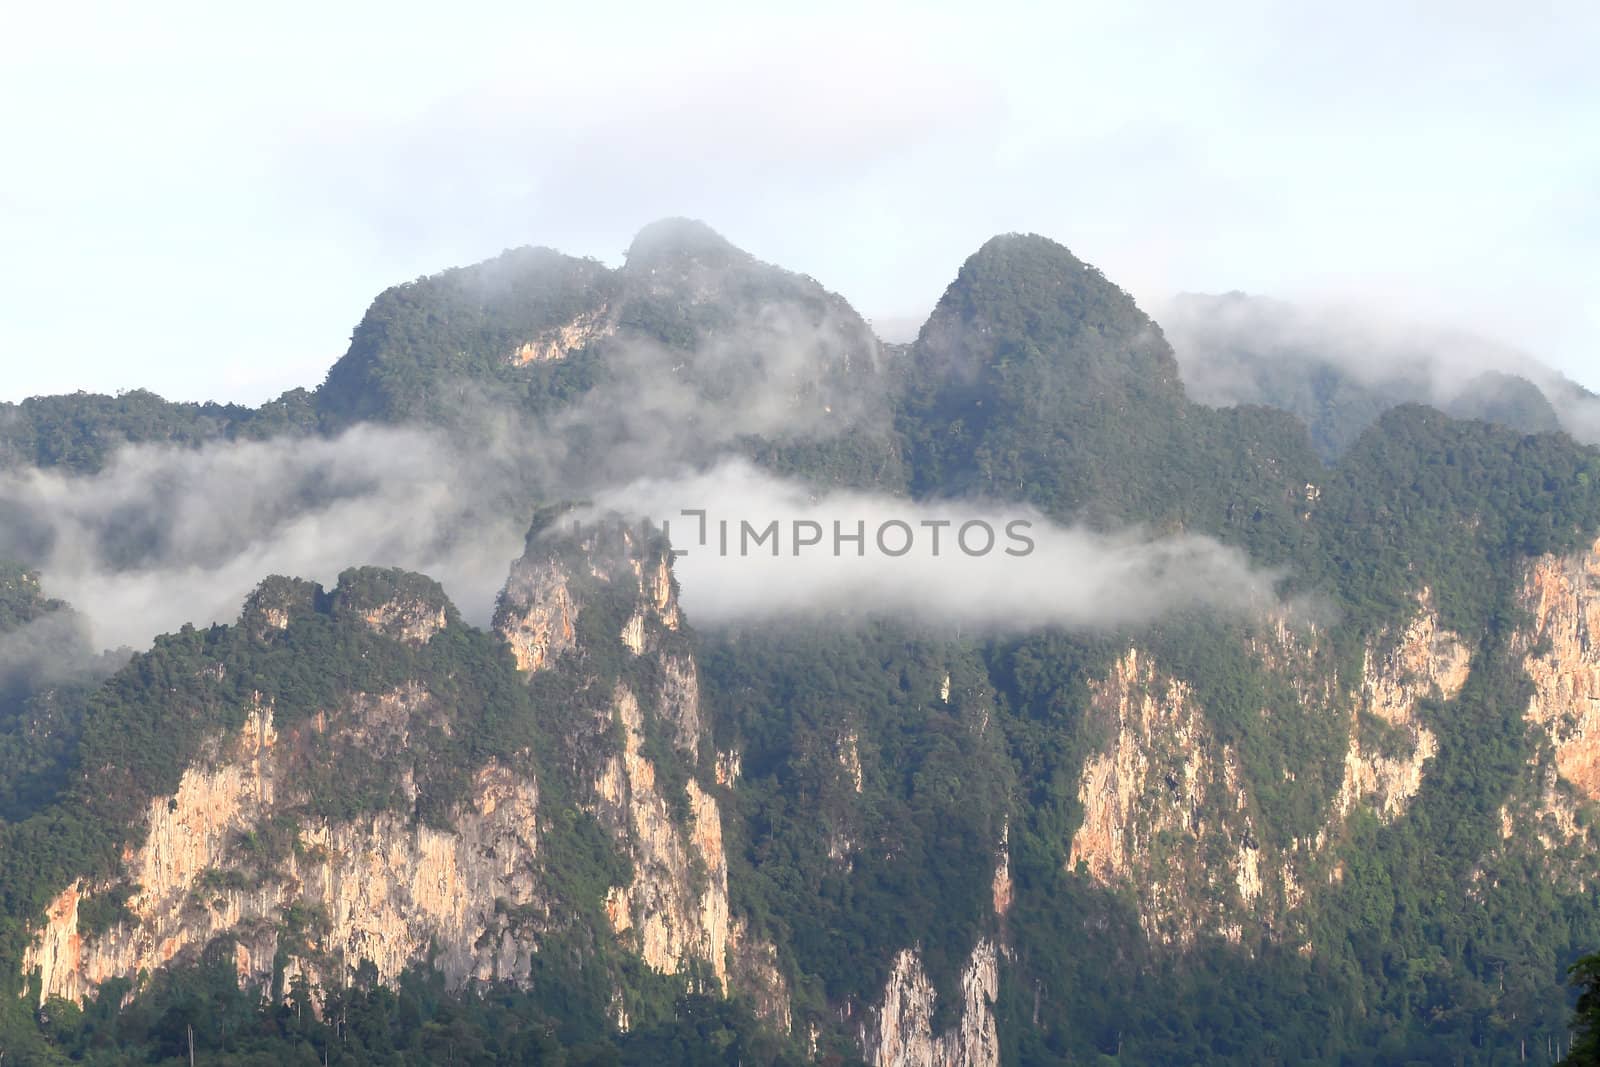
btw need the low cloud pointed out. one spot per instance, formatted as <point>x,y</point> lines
<point>165,536</point>
<point>1238,349</point>
<point>774,549</point>
<point>782,372</point>
<point>49,650</point>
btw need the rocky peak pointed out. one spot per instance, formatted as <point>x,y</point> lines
<point>595,598</point>
<point>275,601</point>
<point>602,564</point>
<point>527,305</point>
<point>1033,353</point>
<point>398,604</point>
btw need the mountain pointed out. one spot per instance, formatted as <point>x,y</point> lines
<point>1353,826</point>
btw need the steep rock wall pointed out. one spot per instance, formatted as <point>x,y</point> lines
<point>1423,661</point>
<point>382,889</point>
<point>561,341</point>
<point>1163,796</point>
<point>1562,657</point>
<point>673,912</point>
<point>1549,817</point>
<point>900,1032</point>
<point>675,909</point>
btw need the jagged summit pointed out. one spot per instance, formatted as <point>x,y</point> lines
<point>393,603</point>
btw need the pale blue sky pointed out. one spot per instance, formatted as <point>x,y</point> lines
<point>203,198</point>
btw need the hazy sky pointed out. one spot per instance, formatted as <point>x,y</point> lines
<point>203,199</point>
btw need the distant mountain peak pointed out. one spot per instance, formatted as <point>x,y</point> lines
<point>1023,296</point>
<point>675,239</point>
<point>1042,287</point>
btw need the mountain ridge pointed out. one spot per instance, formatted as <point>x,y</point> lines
<point>1246,839</point>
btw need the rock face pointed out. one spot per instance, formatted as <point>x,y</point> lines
<point>900,1033</point>
<point>413,622</point>
<point>215,862</point>
<point>232,855</point>
<point>673,912</point>
<point>672,921</point>
<point>537,613</point>
<point>1000,886</point>
<point>1545,818</point>
<point>558,342</point>
<point>1168,814</point>
<point>1424,661</point>
<point>1562,657</point>
<point>1164,794</point>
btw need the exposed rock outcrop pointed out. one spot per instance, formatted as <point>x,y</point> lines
<point>1423,661</point>
<point>537,614</point>
<point>561,341</point>
<point>412,621</point>
<point>675,909</point>
<point>1163,796</point>
<point>1546,817</point>
<point>900,1033</point>
<point>1000,886</point>
<point>1562,657</point>
<point>753,973</point>
<point>215,862</point>
<point>538,611</point>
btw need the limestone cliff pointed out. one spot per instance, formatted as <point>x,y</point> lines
<point>664,818</point>
<point>227,856</point>
<point>237,854</point>
<point>1423,661</point>
<point>675,910</point>
<point>558,342</point>
<point>1169,815</point>
<point>1162,799</point>
<point>537,613</point>
<point>1562,657</point>
<point>900,1032</point>
<point>538,610</point>
<point>1551,815</point>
